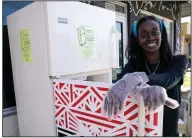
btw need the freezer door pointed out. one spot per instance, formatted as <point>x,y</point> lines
<point>81,38</point>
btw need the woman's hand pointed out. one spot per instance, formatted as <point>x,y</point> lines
<point>153,96</point>
<point>113,102</point>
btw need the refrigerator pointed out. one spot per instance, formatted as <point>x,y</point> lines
<point>62,57</point>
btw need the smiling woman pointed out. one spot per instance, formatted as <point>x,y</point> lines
<point>149,51</point>
<point>150,29</point>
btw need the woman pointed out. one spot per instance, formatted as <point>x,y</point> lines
<point>149,52</point>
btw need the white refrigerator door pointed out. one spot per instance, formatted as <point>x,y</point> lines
<point>80,37</point>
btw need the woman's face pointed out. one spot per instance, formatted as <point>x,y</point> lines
<point>149,36</point>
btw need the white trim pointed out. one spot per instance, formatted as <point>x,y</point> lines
<point>119,4</point>
<point>120,14</point>
<point>141,118</point>
<point>83,74</point>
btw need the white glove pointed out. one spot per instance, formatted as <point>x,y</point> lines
<point>116,95</point>
<point>153,96</point>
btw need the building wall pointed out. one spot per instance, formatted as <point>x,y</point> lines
<point>186,38</point>
<point>10,126</point>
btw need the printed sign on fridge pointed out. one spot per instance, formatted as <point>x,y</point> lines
<point>25,44</point>
<point>86,40</point>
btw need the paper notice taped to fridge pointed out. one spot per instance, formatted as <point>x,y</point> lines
<point>86,40</point>
<point>25,44</point>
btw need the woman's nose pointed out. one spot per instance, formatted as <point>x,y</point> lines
<point>150,37</point>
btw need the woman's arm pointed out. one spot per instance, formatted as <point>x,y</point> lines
<point>167,79</point>
<point>171,77</point>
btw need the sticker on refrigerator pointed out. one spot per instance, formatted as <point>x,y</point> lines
<point>25,44</point>
<point>62,20</point>
<point>86,40</point>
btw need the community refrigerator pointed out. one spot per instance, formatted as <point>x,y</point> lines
<point>62,54</point>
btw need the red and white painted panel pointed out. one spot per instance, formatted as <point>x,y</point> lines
<point>78,112</point>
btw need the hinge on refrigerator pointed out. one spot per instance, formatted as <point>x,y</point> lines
<point>55,77</point>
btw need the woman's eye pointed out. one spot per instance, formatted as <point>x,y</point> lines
<point>155,33</point>
<point>143,34</point>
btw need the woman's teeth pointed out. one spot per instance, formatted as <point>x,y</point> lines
<point>151,45</point>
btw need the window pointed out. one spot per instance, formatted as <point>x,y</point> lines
<point>119,27</point>
<point>8,87</point>
<point>120,9</point>
<point>122,43</point>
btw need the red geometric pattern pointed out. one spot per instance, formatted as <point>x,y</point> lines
<point>78,110</point>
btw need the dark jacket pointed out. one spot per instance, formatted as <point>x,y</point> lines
<point>171,80</point>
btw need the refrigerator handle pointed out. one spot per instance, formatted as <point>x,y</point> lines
<point>55,77</point>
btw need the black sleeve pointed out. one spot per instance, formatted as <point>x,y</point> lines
<point>129,68</point>
<point>173,76</point>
